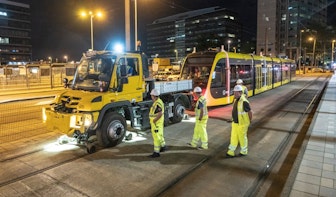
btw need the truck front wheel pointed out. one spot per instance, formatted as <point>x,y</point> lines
<point>112,131</point>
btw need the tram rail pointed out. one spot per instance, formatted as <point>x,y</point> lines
<point>298,130</point>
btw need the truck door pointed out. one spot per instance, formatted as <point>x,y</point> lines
<point>134,88</point>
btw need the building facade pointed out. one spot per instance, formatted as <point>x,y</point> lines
<point>282,24</point>
<point>15,33</point>
<point>177,35</point>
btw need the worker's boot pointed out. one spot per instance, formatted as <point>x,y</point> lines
<point>154,155</point>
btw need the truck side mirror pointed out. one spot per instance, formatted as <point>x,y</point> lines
<point>121,82</point>
<point>122,79</point>
<point>65,83</point>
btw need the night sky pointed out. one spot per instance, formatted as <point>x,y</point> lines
<point>58,30</point>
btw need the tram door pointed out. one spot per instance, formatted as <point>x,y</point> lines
<point>268,75</point>
<point>218,80</point>
<point>276,74</point>
<point>285,72</point>
<point>258,77</point>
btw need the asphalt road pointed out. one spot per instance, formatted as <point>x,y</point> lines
<point>37,166</point>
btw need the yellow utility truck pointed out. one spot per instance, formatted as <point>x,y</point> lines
<point>109,92</point>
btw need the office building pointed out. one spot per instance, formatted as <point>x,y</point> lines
<point>15,33</point>
<point>176,36</point>
<point>282,24</point>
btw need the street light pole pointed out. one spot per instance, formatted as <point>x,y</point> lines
<point>136,24</point>
<point>266,41</point>
<point>314,45</point>
<point>229,42</point>
<point>91,19</point>
<point>176,52</point>
<point>127,24</point>
<point>300,53</point>
<point>92,15</point>
<point>332,52</point>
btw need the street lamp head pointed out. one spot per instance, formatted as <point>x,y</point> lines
<point>311,38</point>
<point>99,14</point>
<point>84,14</point>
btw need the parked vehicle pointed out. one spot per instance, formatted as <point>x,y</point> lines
<point>104,95</point>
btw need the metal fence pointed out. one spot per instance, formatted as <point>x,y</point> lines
<point>35,75</point>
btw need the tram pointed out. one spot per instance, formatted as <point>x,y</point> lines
<point>216,72</point>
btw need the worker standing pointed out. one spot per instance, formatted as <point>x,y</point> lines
<point>245,90</point>
<point>241,119</point>
<point>156,118</point>
<point>201,119</point>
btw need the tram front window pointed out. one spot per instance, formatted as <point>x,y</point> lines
<point>197,69</point>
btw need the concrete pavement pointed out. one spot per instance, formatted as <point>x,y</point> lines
<point>316,175</point>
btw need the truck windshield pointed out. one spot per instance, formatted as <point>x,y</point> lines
<point>94,74</point>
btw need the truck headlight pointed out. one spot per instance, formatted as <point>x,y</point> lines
<point>87,120</point>
<point>81,120</point>
<point>44,116</point>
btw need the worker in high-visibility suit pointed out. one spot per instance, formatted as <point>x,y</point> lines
<point>156,118</point>
<point>241,119</point>
<point>245,90</point>
<point>201,118</point>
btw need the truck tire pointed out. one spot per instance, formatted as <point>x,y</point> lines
<point>112,131</point>
<point>178,112</point>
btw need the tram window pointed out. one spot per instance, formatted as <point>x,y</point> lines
<point>197,67</point>
<point>45,72</point>
<point>277,73</point>
<point>285,70</point>
<point>241,72</point>
<point>8,71</point>
<point>70,71</point>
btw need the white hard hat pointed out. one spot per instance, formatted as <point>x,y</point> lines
<point>155,92</point>
<point>197,89</point>
<point>239,81</point>
<point>238,88</point>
